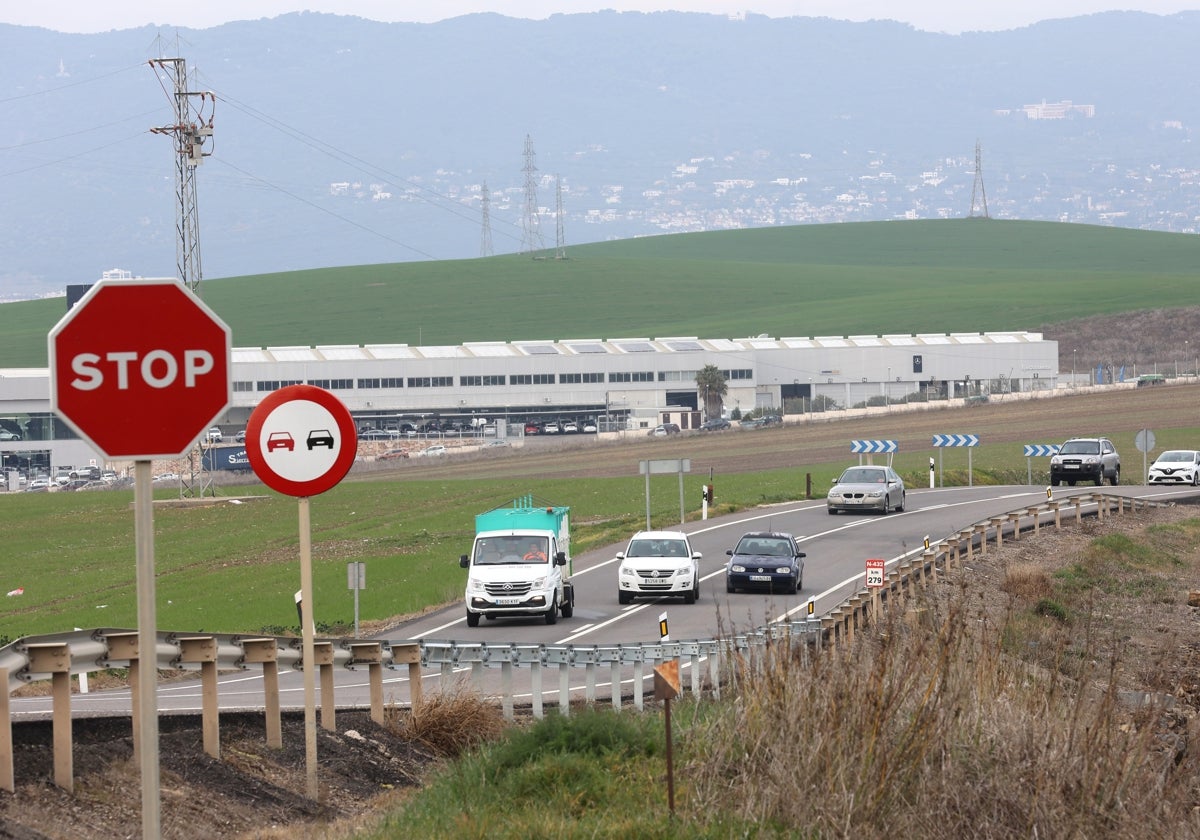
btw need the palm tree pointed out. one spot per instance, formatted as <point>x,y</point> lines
<point>710,382</point>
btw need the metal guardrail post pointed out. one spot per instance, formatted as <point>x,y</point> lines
<point>202,650</point>
<point>410,654</point>
<point>371,655</point>
<point>266,653</point>
<point>55,659</point>
<point>324,660</point>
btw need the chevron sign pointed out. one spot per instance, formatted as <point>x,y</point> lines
<point>871,446</point>
<point>956,440</point>
<point>1040,450</point>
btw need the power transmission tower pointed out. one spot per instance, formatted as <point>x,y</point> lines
<point>531,233</point>
<point>190,131</point>
<point>560,238</point>
<point>485,242</point>
<point>977,187</point>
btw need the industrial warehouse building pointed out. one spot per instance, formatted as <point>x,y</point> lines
<point>622,383</point>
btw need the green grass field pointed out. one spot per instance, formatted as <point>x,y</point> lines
<point>811,280</point>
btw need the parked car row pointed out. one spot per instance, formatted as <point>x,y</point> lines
<point>560,427</point>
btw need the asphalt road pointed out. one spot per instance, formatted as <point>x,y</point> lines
<point>837,547</point>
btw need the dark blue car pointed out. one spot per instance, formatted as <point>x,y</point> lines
<point>765,560</point>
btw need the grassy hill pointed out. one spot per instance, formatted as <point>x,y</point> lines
<point>871,278</point>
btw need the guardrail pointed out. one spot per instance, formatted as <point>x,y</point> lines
<point>58,657</point>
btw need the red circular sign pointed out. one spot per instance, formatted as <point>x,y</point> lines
<point>140,368</point>
<point>301,440</point>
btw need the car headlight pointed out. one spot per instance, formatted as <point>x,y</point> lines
<point>737,567</point>
<point>683,572</point>
<point>627,571</point>
<point>783,570</point>
<point>875,494</point>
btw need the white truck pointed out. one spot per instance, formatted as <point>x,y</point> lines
<point>520,563</point>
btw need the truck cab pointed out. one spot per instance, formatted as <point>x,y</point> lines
<point>519,565</point>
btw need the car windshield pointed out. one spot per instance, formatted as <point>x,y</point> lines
<point>1176,457</point>
<point>1080,447</point>
<point>767,547</point>
<point>862,476</point>
<point>657,548</point>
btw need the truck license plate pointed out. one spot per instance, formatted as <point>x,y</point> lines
<point>507,602</point>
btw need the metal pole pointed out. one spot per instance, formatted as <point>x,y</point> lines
<point>681,516</point>
<point>310,659</point>
<point>647,495</point>
<point>143,526</point>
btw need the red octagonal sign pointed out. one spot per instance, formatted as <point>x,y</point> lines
<point>140,368</point>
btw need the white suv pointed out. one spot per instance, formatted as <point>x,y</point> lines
<point>658,563</point>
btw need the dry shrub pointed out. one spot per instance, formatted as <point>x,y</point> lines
<point>938,733</point>
<point>449,722</point>
<point>1028,582</point>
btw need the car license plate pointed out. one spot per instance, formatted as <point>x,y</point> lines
<point>1070,466</point>
<point>761,578</point>
<point>507,602</point>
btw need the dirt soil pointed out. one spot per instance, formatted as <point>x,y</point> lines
<point>258,792</point>
<point>254,791</point>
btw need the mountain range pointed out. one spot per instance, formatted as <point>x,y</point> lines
<point>342,141</point>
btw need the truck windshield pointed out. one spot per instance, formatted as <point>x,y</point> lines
<point>495,552</point>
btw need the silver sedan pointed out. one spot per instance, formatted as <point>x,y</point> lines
<point>867,488</point>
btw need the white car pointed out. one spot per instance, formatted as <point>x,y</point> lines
<point>1176,466</point>
<point>434,450</point>
<point>658,563</point>
<point>214,435</point>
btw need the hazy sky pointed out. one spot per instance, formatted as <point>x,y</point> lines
<point>951,16</point>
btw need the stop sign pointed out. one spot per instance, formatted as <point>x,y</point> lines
<point>139,368</point>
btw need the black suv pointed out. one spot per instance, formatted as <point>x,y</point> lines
<point>1086,459</point>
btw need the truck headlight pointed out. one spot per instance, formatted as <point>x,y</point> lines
<point>539,583</point>
<point>474,585</point>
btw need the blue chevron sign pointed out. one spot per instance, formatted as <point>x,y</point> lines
<point>956,440</point>
<point>1040,450</point>
<point>872,446</point>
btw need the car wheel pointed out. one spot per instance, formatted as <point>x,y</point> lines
<point>624,598</point>
<point>1196,478</point>
<point>552,613</point>
<point>887,505</point>
<point>1071,482</point>
<point>1116,476</point>
<point>1100,477</point>
<point>900,507</point>
<point>696,589</point>
<point>833,511</point>
<point>729,587</point>
<point>689,597</point>
<point>1053,481</point>
<point>794,588</point>
<point>472,619</point>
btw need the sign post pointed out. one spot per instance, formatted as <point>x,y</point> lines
<point>139,395</point>
<point>301,441</point>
